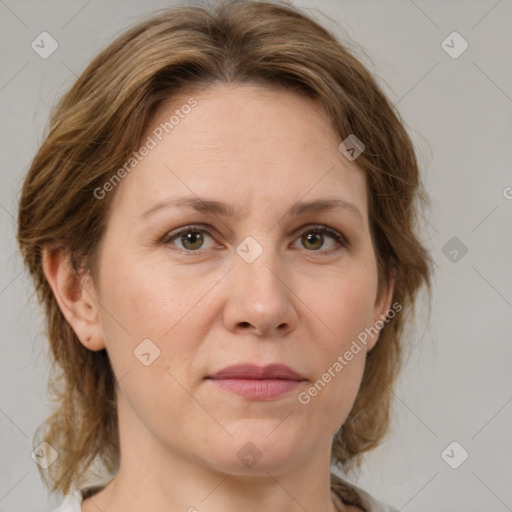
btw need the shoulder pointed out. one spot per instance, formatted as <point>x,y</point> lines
<point>353,495</point>
<point>72,502</point>
<point>347,492</point>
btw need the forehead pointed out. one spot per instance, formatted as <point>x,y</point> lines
<point>244,143</point>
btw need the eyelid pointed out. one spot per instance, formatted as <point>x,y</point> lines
<point>189,227</point>
<point>339,237</point>
<point>324,229</point>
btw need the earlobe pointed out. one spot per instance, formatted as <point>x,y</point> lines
<point>75,296</point>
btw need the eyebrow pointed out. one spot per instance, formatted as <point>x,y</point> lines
<point>220,208</point>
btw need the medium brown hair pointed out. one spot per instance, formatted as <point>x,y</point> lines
<point>100,122</point>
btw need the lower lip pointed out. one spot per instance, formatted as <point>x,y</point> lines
<point>257,389</point>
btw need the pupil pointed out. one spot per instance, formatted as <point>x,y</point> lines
<point>310,235</point>
<point>192,237</point>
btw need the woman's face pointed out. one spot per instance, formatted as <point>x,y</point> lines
<point>251,279</point>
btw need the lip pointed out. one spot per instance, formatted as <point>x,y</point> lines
<point>257,382</point>
<point>252,371</point>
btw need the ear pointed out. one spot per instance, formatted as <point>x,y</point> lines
<point>75,296</point>
<point>383,305</point>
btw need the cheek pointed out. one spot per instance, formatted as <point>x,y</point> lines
<point>327,400</point>
<point>338,355</point>
<point>145,298</point>
<point>148,301</point>
<point>347,305</point>
<point>145,324</point>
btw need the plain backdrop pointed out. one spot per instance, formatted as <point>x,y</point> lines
<point>457,385</point>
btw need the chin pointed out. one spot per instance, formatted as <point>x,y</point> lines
<point>258,451</point>
<point>256,462</point>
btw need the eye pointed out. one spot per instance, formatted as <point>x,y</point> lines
<point>314,237</point>
<point>192,239</point>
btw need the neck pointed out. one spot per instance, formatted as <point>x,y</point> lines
<point>154,476</point>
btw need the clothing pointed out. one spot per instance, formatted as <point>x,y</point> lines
<point>345,491</point>
<point>353,495</point>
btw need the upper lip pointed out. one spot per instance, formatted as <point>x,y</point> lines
<point>252,371</point>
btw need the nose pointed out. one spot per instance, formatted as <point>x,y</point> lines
<point>261,300</point>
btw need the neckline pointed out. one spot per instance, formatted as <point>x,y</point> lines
<point>345,493</point>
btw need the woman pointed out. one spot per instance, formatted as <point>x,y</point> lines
<point>221,226</point>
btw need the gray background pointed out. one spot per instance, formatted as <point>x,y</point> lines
<point>457,383</point>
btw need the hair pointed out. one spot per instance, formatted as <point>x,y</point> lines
<point>100,121</point>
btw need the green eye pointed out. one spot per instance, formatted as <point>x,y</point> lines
<point>192,239</point>
<point>314,237</point>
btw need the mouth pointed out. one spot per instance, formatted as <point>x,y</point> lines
<point>257,382</point>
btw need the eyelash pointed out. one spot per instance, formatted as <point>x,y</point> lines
<point>340,239</point>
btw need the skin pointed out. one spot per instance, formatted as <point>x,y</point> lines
<point>300,303</point>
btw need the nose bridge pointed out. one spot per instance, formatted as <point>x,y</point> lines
<point>260,295</point>
<point>258,276</point>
